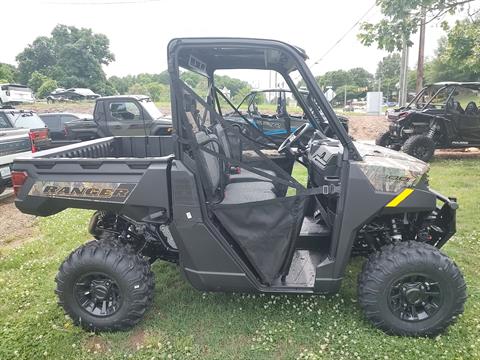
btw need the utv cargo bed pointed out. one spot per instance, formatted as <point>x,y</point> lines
<point>101,174</point>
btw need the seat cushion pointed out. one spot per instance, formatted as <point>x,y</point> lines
<point>246,176</point>
<point>244,192</point>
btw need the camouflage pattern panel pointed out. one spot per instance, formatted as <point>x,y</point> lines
<point>389,170</point>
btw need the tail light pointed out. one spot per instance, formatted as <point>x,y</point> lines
<point>18,179</point>
<point>32,137</point>
<point>37,135</point>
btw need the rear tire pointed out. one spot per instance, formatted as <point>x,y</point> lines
<point>385,140</point>
<point>103,286</point>
<point>419,146</point>
<point>411,289</point>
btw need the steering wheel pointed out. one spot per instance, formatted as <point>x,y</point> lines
<point>293,138</point>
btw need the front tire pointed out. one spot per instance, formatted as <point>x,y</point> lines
<point>103,286</point>
<point>411,289</point>
<point>419,146</point>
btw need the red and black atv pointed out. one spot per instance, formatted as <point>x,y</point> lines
<point>442,116</point>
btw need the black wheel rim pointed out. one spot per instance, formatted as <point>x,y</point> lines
<point>420,152</point>
<point>415,298</point>
<point>97,294</point>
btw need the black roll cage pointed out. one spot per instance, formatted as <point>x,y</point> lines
<point>242,61</point>
<point>453,85</point>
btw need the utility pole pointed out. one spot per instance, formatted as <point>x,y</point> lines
<point>421,53</point>
<point>403,89</point>
<point>345,97</point>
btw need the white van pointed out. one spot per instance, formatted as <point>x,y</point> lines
<point>15,94</point>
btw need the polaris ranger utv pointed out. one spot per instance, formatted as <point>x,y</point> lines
<point>442,116</point>
<point>237,220</point>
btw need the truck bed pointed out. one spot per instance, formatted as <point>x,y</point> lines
<point>123,174</point>
<point>13,142</point>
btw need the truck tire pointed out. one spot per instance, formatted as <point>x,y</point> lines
<point>385,140</point>
<point>411,289</point>
<point>419,146</point>
<point>104,287</point>
<point>114,241</point>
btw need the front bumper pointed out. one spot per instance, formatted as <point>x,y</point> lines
<point>446,219</point>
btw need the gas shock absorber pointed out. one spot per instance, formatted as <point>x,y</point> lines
<point>395,232</point>
<point>432,130</point>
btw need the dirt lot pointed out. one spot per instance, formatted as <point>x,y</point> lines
<point>16,227</point>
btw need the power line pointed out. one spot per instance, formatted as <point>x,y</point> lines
<point>344,35</point>
<point>112,2</point>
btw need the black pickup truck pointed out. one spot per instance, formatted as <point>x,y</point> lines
<point>125,115</point>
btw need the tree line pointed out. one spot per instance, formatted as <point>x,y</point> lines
<point>73,57</point>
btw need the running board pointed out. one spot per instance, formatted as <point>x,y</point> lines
<point>302,271</point>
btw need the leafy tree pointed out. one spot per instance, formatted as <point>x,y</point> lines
<point>105,88</point>
<point>36,80</point>
<point>157,86</point>
<point>388,73</point>
<point>72,56</point>
<point>38,56</point>
<point>360,77</point>
<point>458,54</point>
<point>402,18</point>
<point>158,92</point>
<point>334,78</point>
<point>236,86</point>
<point>356,81</point>
<point>119,84</point>
<point>137,89</point>
<point>8,73</point>
<point>46,88</point>
<point>240,94</point>
<point>193,80</point>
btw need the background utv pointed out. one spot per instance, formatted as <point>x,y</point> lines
<point>237,220</point>
<point>443,115</point>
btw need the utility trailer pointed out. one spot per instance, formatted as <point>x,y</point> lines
<point>236,220</point>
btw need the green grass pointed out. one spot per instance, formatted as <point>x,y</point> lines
<point>184,323</point>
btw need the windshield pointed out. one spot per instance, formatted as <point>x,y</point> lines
<point>28,120</point>
<point>151,108</point>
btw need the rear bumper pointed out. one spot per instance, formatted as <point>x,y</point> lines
<point>446,217</point>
